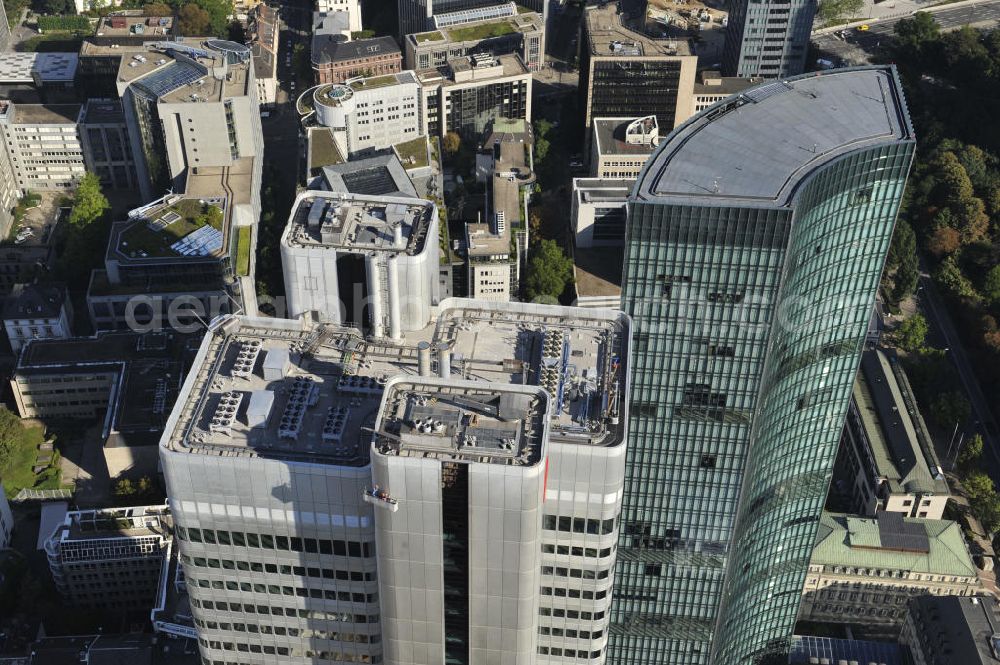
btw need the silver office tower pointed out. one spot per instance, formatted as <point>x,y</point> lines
<point>769,39</point>
<point>756,239</point>
<point>480,527</point>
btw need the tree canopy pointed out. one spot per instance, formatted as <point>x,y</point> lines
<point>549,271</point>
<point>830,11</point>
<point>451,143</point>
<point>903,262</point>
<point>89,203</point>
<point>912,333</point>
<point>192,20</point>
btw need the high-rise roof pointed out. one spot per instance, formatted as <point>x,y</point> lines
<point>774,135</point>
<point>285,389</point>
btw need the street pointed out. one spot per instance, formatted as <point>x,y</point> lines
<point>856,47</point>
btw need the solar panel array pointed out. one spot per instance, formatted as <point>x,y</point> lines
<point>202,242</point>
<point>375,180</point>
<point>171,77</point>
<point>809,649</point>
<point>897,534</point>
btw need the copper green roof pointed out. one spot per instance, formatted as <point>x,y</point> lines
<point>894,430</point>
<point>846,540</point>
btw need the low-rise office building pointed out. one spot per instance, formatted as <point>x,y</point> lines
<point>887,456</point>
<point>616,55</point>
<point>713,87</point>
<point>124,382</point>
<point>43,144</point>
<point>262,37</point>
<point>619,147</point>
<point>497,250</point>
<point>367,114</point>
<point>352,8</point>
<point>36,311</point>
<point>598,211</point>
<point>112,558</point>
<point>865,570</point>
<point>369,261</point>
<point>470,93</point>
<point>176,262</point>
<point>117,36</point>
<point>422,15</point>
<point>335,60</point>
<point>381,175</point>
<point>24,262</point>
<point>948,630</point>
<point>191,107</point>
<point>38,78</point>
<point>105,142</point>
<point>523,34</point>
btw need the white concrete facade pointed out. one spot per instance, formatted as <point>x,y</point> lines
<point>351,7</point>
<point>369,114</point>
<point>43,145</point>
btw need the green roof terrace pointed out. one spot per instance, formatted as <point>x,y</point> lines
<point>481,31</point>
<point>174,230</point>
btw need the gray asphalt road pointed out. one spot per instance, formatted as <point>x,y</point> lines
<point>856,47</point>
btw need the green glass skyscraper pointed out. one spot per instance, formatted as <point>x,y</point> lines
<point>756,238</point>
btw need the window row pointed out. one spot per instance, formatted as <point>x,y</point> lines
<point>577,573</point>
<point>269,541</point>
<point>288,631</point>
<point>577,551</point>
<point>559,592</point>
<point>284,590</point>
<point>285,651</point>
<point>567,632</point>
<point>568,653</point>
<point>257,567</point>
<point>300,613</point>
<point>578,525</point>
<point>570,614</point>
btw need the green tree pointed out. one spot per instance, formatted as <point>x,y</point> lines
<point>977,164</point>
<point>158,9</point>
<point>192,20</point>
<point>541,149</point>
<point>912,333</point>
<point>58,7</point>
<point>954,183</point>
<point>13,9</point>
<point>944,240</point>
<point>991,285</point>
<point>549,271</point>
<point>903,260</point>
<point>983,499</point>
<point>451,143</point>
<point>972,222</point>
<point>971,452</point>
<point>145,488</point>
<point>124,489</point>
<point>212,216</point>
<point>950,277</point>
<point>950,408</point>
<point>917,33</point>
<point>89,203</point>
<point>833,10</point>
<point>10,432</point>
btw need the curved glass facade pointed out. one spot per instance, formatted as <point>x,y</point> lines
<point>840,236</point>
<point>749,317</point>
